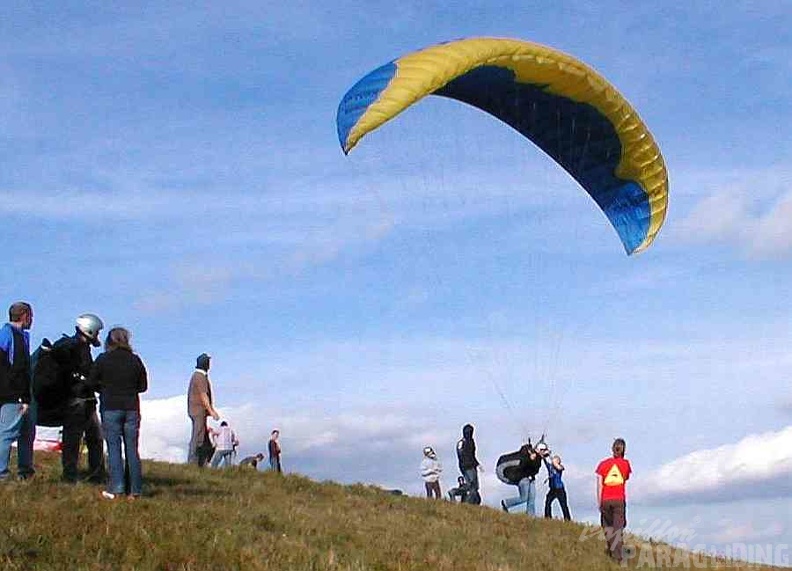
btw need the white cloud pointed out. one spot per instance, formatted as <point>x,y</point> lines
<point>772,232</point>
<point>164,429</point>
<point>758,223</point>
<point>76,204</point>
<point>757,466</point>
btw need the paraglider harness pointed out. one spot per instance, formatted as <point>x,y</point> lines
<point>509,467</point>
<point>51,391</point>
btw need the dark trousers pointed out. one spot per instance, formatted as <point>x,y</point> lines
<point>433,488</point>
<point>613,517</point>
<point>560,495</point>
<point>80,420</point>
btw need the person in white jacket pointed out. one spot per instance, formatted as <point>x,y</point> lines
<point>225,441</point>
<point>430,472</point>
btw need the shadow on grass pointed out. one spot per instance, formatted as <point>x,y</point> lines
<point>187,492</point>
<point>181,486</point>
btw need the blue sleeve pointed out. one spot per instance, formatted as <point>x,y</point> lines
<point>7,341</point>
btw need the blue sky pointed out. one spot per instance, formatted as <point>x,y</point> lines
<point>175,169</point>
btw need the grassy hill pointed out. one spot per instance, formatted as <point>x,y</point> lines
<point>193,519</point>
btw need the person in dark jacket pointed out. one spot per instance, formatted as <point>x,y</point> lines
<point>274,449</point>
<point>73,355</point>
<point>15,381</point>
<point>469,464</point>
<point>460,491</point>
<point>530,463</point>
<point>120,376</point>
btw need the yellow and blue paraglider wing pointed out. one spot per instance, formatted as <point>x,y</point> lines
<point>558,102</point>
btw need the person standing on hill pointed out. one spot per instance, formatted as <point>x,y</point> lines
<point>199,407</point>
<point>274,449</point>
<point>80,420</point>
<point>225,444</point>
<point>530,464</point>
<point>469,464</point>
<point>612,475</point>
<point>430,472</point>
<point>120,376</point>
<point>15,416</point>
<point>556,489</point>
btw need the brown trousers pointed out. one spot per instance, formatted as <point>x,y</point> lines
<point>613,517</point>
<point>433,488</point>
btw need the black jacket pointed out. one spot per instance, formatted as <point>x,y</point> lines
<point>466,454</point>
<point>119,376</point>
<point>15,378</point>
<point>74,365</point>
<point>530,468</point>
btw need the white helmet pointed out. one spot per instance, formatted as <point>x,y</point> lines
<point>90,325</point>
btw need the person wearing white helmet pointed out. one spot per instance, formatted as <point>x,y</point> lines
<point>73,355</point>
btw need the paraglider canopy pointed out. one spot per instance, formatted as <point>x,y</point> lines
<point>559,103</point>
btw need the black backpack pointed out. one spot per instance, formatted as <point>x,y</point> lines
<point>49,389</point>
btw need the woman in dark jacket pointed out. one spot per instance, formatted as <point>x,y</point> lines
<point>120,376</point>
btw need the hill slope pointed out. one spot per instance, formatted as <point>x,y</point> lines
<point>193,519</point>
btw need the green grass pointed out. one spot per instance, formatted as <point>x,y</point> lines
<point>193,519</point>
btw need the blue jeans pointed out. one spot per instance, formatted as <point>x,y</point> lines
<point>222,457</point>
<point>275,464</point>
<point>471,479</point>
<point>11,423</point>
<point>123,426</point>
<point>527,496</point>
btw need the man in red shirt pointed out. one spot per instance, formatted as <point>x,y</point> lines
<point>612,474</point>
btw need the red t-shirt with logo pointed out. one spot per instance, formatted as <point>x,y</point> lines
<point>615,472</point>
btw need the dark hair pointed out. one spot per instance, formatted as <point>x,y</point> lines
<point>467,431</point>
<point>224,423</point>
<point>18,310</point>
<point>117,338</point>
<point>619,445</point>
